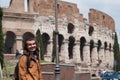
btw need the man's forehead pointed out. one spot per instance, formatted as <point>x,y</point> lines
<point>30,41</point>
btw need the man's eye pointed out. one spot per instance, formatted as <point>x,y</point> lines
<point>34,44</point>
<point>29,44</point>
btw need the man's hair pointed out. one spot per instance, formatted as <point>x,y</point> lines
<point>25,44</point>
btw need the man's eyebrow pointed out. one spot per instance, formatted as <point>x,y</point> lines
<point>31,43</point>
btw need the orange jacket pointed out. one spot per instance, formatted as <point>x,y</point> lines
<point>34,69</point>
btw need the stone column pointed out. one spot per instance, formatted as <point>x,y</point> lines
<point>111,58</point>
<point>64,58</point>
<point>107,55</point>
<point>14,48</point>
<point>18,43</point>
<point>76,55</point>
<point>101,57</point>
<point>94,56</point>
<point>86,54</point>
<point>48,56</point>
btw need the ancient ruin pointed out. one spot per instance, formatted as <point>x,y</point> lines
<point>86,43</point>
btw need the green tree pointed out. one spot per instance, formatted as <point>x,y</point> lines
<point>116,53</point>
<point>1,39</point>
<point>40,44</point>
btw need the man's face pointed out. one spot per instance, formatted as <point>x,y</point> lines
<point>31,45</point>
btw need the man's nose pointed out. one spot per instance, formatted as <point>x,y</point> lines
<point>32,45</point>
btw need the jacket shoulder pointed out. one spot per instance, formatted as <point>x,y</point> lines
<point>23,58</point>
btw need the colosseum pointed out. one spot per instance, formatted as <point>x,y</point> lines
<point>87,43</point>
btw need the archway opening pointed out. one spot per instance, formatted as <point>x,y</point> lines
<point>99,45</point>
<point>70,46</point>
<point>82,44</point>
<point>61,38</point>
<point>70,28</point>
<point>105,46</point>
<point>9,42</point>
<point>91,29</point>
<point>45,39</point>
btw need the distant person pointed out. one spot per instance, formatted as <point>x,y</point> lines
<point>17,53</point>
<point>31,51</point>
<point>104,71</point>
<point>21,51</point>
<point>100,72</point>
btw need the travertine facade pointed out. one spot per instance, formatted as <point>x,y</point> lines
<point>86,43</point>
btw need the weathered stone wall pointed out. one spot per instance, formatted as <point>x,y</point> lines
<point>18,23</point>
<point>101,18</point>
<point>65,10</point>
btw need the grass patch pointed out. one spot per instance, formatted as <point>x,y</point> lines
<point>8,69</point>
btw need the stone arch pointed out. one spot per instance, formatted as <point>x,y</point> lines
<point>9,42</point>
<point>99,45</point>
<point>105,46</point>
<point>91,29</point>
<point>91,48</point>
<point>70,28</point>
<point>45,39</point>
<point>70,46</point>
<point>99,53</point>
<point>61,38</point>
<point>82,44</point>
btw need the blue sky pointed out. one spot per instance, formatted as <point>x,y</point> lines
<point>109,7</point>
<point>4,3</point>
